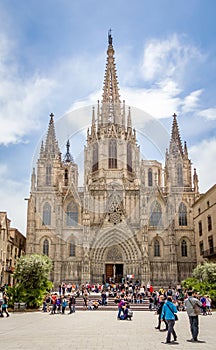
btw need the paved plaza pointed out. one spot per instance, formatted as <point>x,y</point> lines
<point>98,330</point>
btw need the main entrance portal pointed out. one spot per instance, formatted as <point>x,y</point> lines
<point>114,272</point>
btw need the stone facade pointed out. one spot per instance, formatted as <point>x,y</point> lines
<point>205,226</point>
<point>132,217</point>
<point>12,246</point>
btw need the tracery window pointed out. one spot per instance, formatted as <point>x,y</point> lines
<point>46,214</point>
<point>95,157</point>
<point>182,215</point>
<point>72,214</point>
<point>179,175</point>
<point>156,247</point>
<point>46,247</point>
<point>155,214</point>
<point>184,248</point>
<point>112,154</point>
<point>150,177</point>
<point>129,157</point>
<point>48,175</point>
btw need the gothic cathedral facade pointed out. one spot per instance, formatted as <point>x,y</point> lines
<point>132,218</point>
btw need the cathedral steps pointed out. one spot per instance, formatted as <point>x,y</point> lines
<point>111,305</point>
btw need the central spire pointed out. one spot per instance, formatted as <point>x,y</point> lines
<point>110,97</point>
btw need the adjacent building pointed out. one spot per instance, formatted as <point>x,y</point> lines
<point>12,246</point>
<point>132,217</point>
<point>205,226</point>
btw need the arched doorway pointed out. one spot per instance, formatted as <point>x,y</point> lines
<point>114,267</point>
<point>114,272</point>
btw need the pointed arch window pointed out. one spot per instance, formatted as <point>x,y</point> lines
<point>155,214</point>
<point>48,174</point>
<point>182,215</point>
<point>72,249</point>
<point>156,247</point>
<point>112,154</point>
<point>179,175</point>
<point>47,214</point>
<point>72,214</point>
<point>95,157</point>
<point>129,157</point>
<point>150,177</point>
<point>46,247</point>
<point>184,248</point>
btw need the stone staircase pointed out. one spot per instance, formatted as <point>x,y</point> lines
<point>111,305</point>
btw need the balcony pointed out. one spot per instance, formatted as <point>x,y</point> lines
<point>9,269</point>
<point>210,253</point>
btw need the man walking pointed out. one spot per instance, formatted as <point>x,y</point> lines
<point>193,310</point>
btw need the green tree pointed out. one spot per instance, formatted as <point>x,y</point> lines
<point>203,280</point>
<point>31,276</point>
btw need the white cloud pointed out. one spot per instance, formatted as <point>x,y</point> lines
<point>191,101</point>
<point>209,113</point>
<point>167,58</point>
<point>204,155</point>
<point>21,99</point>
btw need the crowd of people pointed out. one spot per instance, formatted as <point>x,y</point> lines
<point>130,292</point>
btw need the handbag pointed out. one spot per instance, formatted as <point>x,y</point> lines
<point>175,315</point>
<point>196,308</point>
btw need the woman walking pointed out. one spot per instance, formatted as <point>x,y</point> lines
<point>168,313</point>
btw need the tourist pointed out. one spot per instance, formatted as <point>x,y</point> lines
<point>120,308</point>
<point>193,306</point>
<point>159,311</point>
<point>72,303</point>
<point>64,304</point>
<point>5,305</point>
<point>208,305</point>
<point>168,313</point>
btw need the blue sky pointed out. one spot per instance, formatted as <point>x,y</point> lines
<point>52,59</point>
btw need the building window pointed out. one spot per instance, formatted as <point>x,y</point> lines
<point>198,210</point>
<point>112,154</point>
<point>208,204</point>
<point>95,157</point>
<point>201,247</point>
<point>72,214</point>
<point>48,175</point>
<point>46,247</point>
<point>155,214</point>
<point>182,215</point>
<point>209,223</point>
<point>211,244</point>
<point>47,214</point>
<point>184,248</point>
<point>156,247</point>
<point>179,175</point>
<point>129,157</point>
<point>150,177</point>
<point>200,227</point>
<point>72,249</point>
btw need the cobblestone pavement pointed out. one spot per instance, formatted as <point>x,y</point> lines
<point>98,330</point>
